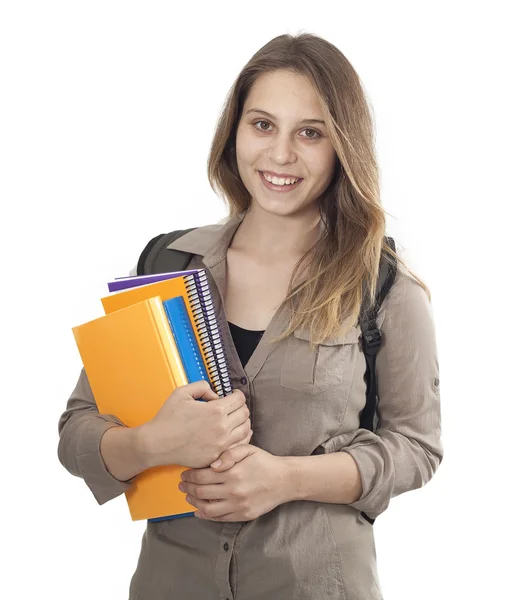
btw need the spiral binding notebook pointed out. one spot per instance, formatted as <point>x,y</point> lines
<point>194,287</point>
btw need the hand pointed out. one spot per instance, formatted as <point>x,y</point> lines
<point>192,433</point>
<point>248,483</point>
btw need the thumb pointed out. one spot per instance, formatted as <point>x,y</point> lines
<point>230,457</point>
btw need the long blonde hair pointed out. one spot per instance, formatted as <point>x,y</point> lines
<point>343,265</point>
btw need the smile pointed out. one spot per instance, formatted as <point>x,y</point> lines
<point>284,188</point>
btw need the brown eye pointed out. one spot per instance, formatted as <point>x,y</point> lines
<point>259,128</point>
<point>312,137</point>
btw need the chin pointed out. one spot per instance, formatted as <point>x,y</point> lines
<point>275,207</point>
<point>282,207</point>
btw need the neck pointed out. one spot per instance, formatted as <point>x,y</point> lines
<point>270,236</point>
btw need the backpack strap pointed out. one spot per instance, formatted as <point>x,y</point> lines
<point>156,258</point>
<point>371,338</point>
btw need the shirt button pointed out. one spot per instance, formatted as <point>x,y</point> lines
<point>226,547</point>
<point>243,381</point>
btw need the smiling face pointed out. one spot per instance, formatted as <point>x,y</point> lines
<point>278,133</point>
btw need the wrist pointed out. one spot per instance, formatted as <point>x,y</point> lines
<point>152,450</point>
<point>121,451</point>
<point>143,445</point>
<point>333,478</point>
<point>291,478</point>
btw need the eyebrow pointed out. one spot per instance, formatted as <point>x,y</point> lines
<point>270,116</point>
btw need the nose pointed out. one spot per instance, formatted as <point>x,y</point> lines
<point>280,149</point>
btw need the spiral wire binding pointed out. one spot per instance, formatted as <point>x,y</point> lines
<point>202,306</point>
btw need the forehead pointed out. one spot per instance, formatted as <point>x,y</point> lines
<point>284,94</point>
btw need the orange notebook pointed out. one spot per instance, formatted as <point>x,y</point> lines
<point>169,288</point>
<point>133,365</point>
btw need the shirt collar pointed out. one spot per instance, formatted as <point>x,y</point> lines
<point>210,241</point>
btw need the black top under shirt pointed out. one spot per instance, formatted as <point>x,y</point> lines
<point>245,341</point>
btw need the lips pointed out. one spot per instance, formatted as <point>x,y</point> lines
<point>282,176</point>
<point>279,188</point>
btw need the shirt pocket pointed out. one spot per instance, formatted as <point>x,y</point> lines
<point>330,364</point>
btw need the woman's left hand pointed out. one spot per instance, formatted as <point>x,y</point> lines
<point>248,483</point>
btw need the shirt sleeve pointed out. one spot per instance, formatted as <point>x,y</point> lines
<point>81,428</point>
<point>405,451</point>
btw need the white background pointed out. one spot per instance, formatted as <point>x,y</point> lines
<point>106,118</point>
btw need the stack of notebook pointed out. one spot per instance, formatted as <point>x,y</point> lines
<point>159,332</point>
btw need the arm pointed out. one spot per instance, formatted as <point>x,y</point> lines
<point>123,451</point>
<point>81,430</point>
<point>98,448</point>
<point>332,478</point>
<point>405,451</point>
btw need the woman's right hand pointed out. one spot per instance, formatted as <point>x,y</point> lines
<point>194,434</point>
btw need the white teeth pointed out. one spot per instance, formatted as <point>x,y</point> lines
<point>281,180</point>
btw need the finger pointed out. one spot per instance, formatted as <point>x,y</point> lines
<point>201,476</point>
<point>211,510</point>
<point>239,432</point>
<point>200,390</point>
<point>230,457</point>
<point>238,416</point>
<point>205,492</point>
<point>243,442</point>
<point>233,401</point>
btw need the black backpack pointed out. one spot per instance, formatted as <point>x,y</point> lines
<point>157,258</point>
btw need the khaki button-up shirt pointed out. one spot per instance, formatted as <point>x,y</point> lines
<point>302,402</point>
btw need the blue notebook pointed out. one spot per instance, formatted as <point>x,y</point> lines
<point>184,336</point>
<point>189,351</point>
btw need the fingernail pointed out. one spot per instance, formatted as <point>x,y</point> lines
<point>217,463</point>
<point>181,486</point>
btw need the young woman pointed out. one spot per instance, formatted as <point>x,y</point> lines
<point>289,515</point>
